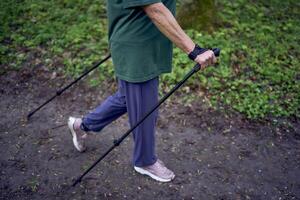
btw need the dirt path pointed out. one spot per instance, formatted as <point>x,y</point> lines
<point>214,156</point>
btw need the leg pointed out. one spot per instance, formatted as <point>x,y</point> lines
<point>140,98</point>
<point>112,108</point>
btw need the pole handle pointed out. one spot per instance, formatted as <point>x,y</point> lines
<point>216,51</point>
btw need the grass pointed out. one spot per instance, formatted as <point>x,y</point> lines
<point>258,74</point>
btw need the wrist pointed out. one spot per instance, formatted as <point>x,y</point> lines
<point>190,48</point>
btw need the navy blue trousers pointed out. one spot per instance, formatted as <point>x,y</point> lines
<point>136,99</point>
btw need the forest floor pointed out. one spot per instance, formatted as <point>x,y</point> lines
<point>215,155</point>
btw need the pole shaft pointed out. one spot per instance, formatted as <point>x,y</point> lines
<point>118,142</point>
<point>83,75</point>
<point>59,92</point>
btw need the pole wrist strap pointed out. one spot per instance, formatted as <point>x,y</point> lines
<point>197,51</point>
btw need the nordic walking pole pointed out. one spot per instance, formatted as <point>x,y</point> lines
<point>117,142</point>
<point>59,92</point>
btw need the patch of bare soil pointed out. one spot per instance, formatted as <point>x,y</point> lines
<point>215,155</point>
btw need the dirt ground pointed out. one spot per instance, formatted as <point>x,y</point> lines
<point>213,154</point>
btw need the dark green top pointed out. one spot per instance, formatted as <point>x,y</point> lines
<point>139,50</point>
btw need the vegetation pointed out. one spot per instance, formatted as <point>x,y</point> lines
<point>259,70</point>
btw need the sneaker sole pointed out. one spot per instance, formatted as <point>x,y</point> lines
<point>145,172</point>
<point>71,121</point>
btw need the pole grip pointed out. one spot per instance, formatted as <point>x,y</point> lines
<point>216,51</point>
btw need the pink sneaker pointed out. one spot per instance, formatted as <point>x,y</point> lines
<point>157,171</point>
<point>78,135</point>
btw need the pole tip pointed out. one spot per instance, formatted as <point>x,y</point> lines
<point>30,114</point>
<point>75,182</point>
<point>28,117</point>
